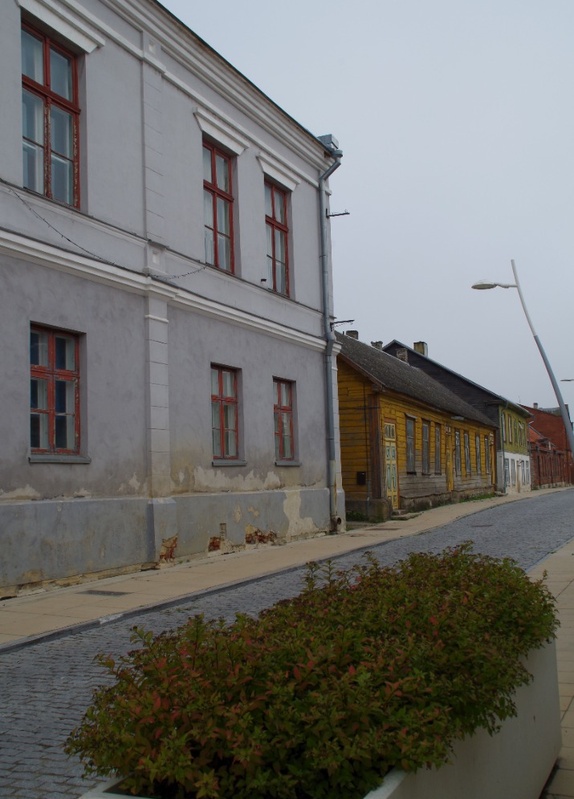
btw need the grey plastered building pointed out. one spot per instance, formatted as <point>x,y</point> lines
<point>169,367</point>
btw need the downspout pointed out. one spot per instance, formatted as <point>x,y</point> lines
<point>330,339</point>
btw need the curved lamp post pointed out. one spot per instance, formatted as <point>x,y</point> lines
<point>563,411</point>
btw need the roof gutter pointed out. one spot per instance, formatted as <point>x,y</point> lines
<point>331,145</point>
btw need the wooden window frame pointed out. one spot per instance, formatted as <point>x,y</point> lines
<point>410,429</point>
<point>457,454</point>
<point>50,99</point>
<point>216,193</point>
<point>437,449</point>
<point>487,454</point>
<point>280,411</point>
<point>220,401</point>
<point>50,373</point>
<point>275,226</point>
<point>467,460</point>
<point>478,453</point>
<point>425,428</point>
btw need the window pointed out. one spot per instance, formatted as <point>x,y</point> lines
<point>410,445</point>
<point>467,453</point>
<point>224,413</point>
<point>506,473</point>
<point>487,454</point>
<point>54,392</point>
<point>426,447</point>
<point>277,233</point>
<point>283,417</point>
<point>218,207</point>
<point>457,465</point>
<point>478,454</point>
<point>50,116</point>
<point>437,448</point>
<point>513,472</point>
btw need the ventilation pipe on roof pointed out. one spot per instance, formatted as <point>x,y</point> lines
<point>332,146</point>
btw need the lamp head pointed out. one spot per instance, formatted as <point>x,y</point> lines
<point>484,284</point>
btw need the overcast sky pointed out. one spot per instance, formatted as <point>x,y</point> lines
<point>456,119</point>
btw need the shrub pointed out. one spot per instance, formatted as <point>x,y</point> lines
<point>322,694</point>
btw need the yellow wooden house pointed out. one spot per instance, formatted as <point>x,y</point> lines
<point>407,442</point>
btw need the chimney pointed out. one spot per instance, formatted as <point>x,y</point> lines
<point>403,355</point>
<point>378,345</point>
<point>353,334</point>
<point>535,406</point>
<point>421,347</point>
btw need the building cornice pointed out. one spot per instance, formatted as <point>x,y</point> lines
<point>192,52</point>
<point>24,248</point>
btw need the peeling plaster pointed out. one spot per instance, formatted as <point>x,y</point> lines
<point>134,483</point>
<point>237,514</point>
<point>21,493</point>
<point>133,486</point>
<point>292,508</point>
<point>219,480</point>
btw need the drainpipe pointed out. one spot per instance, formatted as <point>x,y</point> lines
<point>330,143</point>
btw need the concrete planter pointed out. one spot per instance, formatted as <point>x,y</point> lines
<point>514,764</point>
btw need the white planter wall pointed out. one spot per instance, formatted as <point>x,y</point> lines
<point>513,764</point>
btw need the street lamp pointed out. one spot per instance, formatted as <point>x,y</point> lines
<point>516,285</point>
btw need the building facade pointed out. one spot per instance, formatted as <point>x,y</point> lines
<point>550,456</point>
<point>166,299</point>
<point>509,419</point>
<point>407,442</point>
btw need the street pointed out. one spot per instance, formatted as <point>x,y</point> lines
<point>45,687</point>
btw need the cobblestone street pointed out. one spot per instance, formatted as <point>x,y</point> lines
<point>46,686</point>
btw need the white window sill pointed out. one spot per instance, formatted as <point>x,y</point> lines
<point>51,457</point>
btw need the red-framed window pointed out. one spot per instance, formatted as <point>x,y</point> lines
<point>224,413</point>
<point>218,207</point>
<point>50,118</point>
<point>277,238</point>
<point>283,416</point>
<point>54,391</point>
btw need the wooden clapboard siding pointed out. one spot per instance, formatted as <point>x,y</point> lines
<point>356,403</point>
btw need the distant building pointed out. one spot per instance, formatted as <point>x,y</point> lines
<point>407,442</point>
<point>510,419</point>
<point>550,454</point>
<point>166,299</point>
